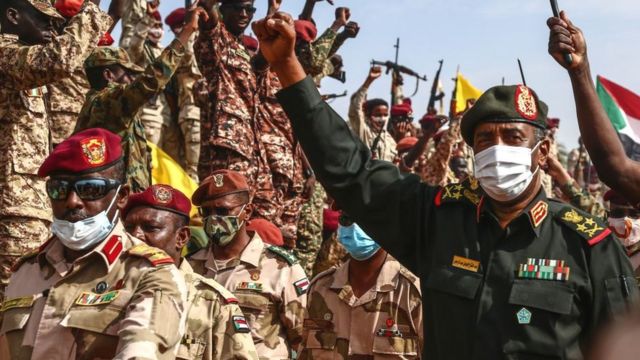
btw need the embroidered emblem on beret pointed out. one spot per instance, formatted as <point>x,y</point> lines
<point>162,195</point>
<point>94,150</point>
<point>526,103</point>
<point>219,180</point>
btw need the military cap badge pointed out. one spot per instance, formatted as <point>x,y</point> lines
<point>219,180</point>
<point>526,103</point>
<point>94,150</point>
<point>162,194</point>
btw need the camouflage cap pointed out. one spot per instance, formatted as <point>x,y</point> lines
<point>104,56</point>
<point>45,7</point>
<point>516,103</point>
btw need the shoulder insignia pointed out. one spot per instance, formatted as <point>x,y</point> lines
<point>289,257</point>
<point>587,226</point>
<point>466,191</point>
<point>240,324</point>
<point>226,295</point>
<point>154,255</point>
<point>301,286</point>
<point>24,259</point>
<point>538,213</point>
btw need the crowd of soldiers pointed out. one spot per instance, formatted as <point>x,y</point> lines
<point>472,235</point>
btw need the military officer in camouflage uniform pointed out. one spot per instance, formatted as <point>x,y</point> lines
<point>215,326</point>
<point>369,306</point>
<point>92,291</point>
<point>31,57</point>
<point>522,276</point>
<point>115,100</point>
<point>267,280</point>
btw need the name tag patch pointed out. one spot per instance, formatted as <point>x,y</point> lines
<point>465,264</point>
<point>21,302</point>
<point>90,299</point>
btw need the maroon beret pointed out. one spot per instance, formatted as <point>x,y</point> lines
<point>305,30</point>
<point>403,109</point>
<point>156,15</point>
<point>162,197</point>
<point>553,123</point>
<point>250,43</point>
<point>406,144</point>
<point>330,220</point>
<point>219,184</point>
<point>268,232</point>
<point>88,151</point>
<point>106,40</point>
<point>176,17</point>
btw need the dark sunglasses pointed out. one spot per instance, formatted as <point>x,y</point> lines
<point>345,220</point>
<point>238,7</point>
<point>86,189</point>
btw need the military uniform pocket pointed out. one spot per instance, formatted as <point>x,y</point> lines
<point>320,345</point>
<point>15,319</point>
<point>395,347</point>
<point>464,284</point>
<point>541,294</point>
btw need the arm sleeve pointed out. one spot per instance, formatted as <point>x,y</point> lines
<point>135,47</point>
<point>356,114</point>
<point>390,206</point>
<point>26,67</point>
<point>294,302</point>
<point>151,324</point>
<point>230,343</point>
<point>435,170</point>
<point>320,50</point>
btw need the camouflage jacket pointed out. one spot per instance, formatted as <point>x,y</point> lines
<point>65,102</point>
<point>436,171</point>
<point>314,55</point>
<point>24,122</point>
<point>117,109</point>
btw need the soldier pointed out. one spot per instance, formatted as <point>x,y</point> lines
<point>92,291</point>
<point>523,276</point>
<point>159,216</point>
<point>309,237</point>
<point>368,119</point>
<point>131,12</point>
<point>368,306</point>
<point>267,280</point>
<point>31,57</point>
<point>115,99</point>
<point>624,221</point>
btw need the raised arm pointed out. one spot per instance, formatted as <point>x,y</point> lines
<point>356,114</point>
<point>601,140</point>
<point>307,11</point>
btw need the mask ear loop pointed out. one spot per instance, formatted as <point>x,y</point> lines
<point>113,201</point>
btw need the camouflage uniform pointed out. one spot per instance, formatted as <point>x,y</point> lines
<point>386,149</point>
<point>436,171</point>
<point>384,323</point>
<point>284,155</point>
<point>117,109</point>
<point>547,180</point>
<point>331,254</point>
<point>309,236</point>
<point>65,102</point>
<point>313,56</point>
<point>229,134</point>
<point>134,12</point>
<point>25,71</point>
<point>122,300</point>
<point>212,321</point>
<point>584,201</point>
<point>271,288</point>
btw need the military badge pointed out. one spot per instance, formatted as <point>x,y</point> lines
<point>538,213</point>
<point>247,285</point>
<point>90,298</point>
<point>255,275</point>
<point>572,217</point>
<point>218,180</point>
<point>544,269</point>
<point>301,286</point>
<point>240,324</point>
<point>524,316</point>
<point>94,150</point>
<point>526,103</point>
<point>162,194</point>
<point>101,287</point>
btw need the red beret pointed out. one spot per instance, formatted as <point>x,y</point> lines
<point>162,197</point>
<point>156,15</point>
<point>269,233</point>
<point>220,183</point>
<point>68,8</point>
<point>176,17</point>
<point>615,198</point>
<point>250,43</point>
<point>305,30</point>
<point>406,144</point>
<point>403,109</point>
<point>330,220</point>
<point>88,151</point>
<point>553,123</point>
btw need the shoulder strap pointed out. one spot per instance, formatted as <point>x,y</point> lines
<point>154,255</point>
<point>587,226</point>
<point>286,255</point>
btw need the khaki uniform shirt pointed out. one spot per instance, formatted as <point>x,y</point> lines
<point>271,288</point>
<point>384,323</point>
<point>386,149</point>
<point>24,122</point>
<point>122,300</point>
<point>214,324</point>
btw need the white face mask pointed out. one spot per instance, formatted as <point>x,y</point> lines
<point>504,172</point>
<point>379,119</point>
<point>155,35</point>
<point>627,230</point>
<point>83,234</point>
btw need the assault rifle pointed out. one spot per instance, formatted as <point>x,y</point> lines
<point>333,96</point>
<point>435,96</point>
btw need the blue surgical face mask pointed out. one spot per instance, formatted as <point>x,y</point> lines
<point>357,243</point>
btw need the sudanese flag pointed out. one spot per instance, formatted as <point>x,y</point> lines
<point>623,108</point>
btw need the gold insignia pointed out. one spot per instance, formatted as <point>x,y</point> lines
<point>162,194</point>
<point>473,183</point>
<point>21,302</point>
<point>573,217</point>
<point>94,151</point>
<point>219,180</point>
<point>471,196</point>
<point>592,232</point>
<point>453,192</point>
<point>255,275</point>
<point>526,103</point>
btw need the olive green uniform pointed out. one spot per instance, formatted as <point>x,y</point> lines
<point>538,288</point>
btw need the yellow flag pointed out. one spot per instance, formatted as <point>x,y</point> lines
<point>464,92</point>
<point>164,170</point>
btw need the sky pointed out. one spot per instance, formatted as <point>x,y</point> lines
<point>484,38</point>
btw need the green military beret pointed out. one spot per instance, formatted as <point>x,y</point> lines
<point>516,103</point>
<point>104,56</point>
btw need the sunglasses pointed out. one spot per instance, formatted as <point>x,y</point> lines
<point>86,189</point>
<point>345,220</point>
<point>238,7</point>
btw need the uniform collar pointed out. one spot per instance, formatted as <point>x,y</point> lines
<point>185,267</point>
<point>387,279</point>
<point>251,254</point>
<point>536,212</point>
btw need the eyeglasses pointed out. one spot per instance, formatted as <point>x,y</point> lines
<point>345,220</point>
<point>238,7</point>
<point>86,189</point>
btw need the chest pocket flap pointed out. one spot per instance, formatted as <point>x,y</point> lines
<point>541,294</point>
<point>15,319</point>
<point>456,282</point>
<point>98,318</point>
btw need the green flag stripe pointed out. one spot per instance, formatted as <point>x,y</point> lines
<point>617,117</point>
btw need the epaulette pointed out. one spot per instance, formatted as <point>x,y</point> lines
<point>329,271</point>
<point>23,259</point>
<point>228,297</point>
<point>468,192</point>
<point>154,255</point>
<point>289,257</point>
<point>585,225</point>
